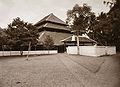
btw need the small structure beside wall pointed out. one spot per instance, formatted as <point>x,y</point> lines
<point>92,50</point>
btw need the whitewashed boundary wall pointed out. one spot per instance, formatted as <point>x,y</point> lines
<point>13,53</point>
<point>92,50</point>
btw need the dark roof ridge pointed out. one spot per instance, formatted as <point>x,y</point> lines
<point>51,18</point>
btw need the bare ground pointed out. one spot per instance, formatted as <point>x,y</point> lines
<point>60,70</point>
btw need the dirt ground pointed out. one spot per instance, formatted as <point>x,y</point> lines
<point>60,70</point>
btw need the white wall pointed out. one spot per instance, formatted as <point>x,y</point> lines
<point>8,53</point>
<point>111,50</point>
<point>100,50</point>
<point>40,52</point>
<point>12,53</point>
<point>71,50</point>
<point>89,51</point>
<point>92,50</point>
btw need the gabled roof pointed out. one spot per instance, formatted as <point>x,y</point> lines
<point>81,39</point>
<point>51,18</point>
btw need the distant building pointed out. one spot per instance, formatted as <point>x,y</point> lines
<point>56,28</point>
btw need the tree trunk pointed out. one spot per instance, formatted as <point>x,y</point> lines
<point>78,50</point>
<point>3,50</point>
<point>29,48</point>
<point>21,51</point>
<point>48,50</point>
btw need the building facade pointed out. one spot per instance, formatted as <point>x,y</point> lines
<point>56,28</point>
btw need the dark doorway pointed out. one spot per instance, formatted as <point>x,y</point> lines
<point>61,49</point>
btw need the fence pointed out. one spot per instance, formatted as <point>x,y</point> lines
<point>13,53</point>
<point>92,50</point>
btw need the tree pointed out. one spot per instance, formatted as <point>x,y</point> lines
<point>109,3</point>
<point>3,38</point>
<point>114,15</point>
<point>79,17</point>
<point>21,33</point>
<point>79,20</point>
<point>100,29</point>
<point>48,42</point>
<point>107,26</point>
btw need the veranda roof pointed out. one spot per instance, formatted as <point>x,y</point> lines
<point>81,39</point>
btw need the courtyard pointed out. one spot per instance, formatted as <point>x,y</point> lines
<point>60,70</point>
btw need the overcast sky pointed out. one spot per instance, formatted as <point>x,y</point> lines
<point>34,10</point>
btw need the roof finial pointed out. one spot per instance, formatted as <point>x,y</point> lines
<point>51,13</point>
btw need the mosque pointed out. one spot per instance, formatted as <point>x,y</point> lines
<point>60,32</point>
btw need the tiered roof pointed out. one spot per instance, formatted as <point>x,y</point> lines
<point>51,18</point>
<point>52,22</point>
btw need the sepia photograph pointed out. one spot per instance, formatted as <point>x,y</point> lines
<point>59,43</point>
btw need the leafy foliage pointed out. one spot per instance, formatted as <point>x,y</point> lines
<point>107,27</point>
<point>20,33</point>
<point>100,29</point>
<point>79,18</point>
<point>3,39</point>
<point>48,42</point>
<point>1,36</point>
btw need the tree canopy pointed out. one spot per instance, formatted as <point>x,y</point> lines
<point>79,18</point>
<point>48,42</point>
<point>20,33</point>
<point>107,26</point>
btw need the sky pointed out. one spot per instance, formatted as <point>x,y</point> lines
<point>34,10</point>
